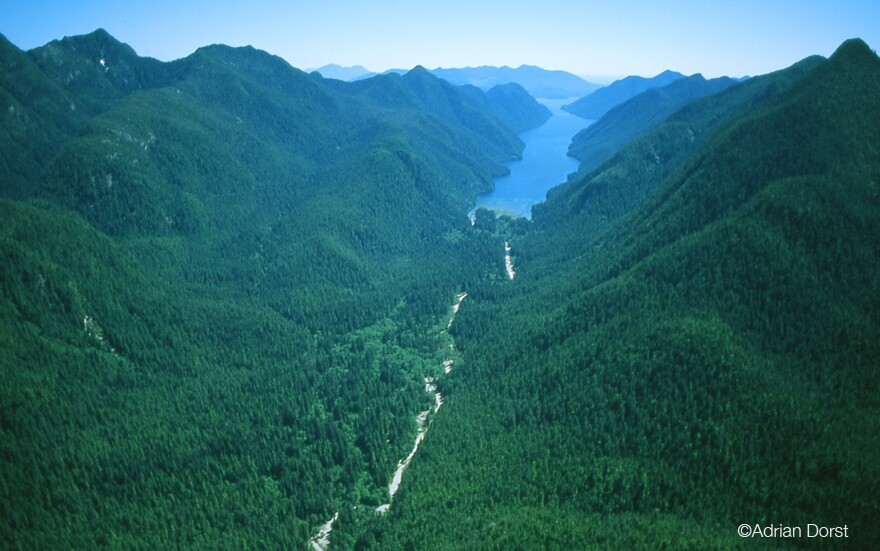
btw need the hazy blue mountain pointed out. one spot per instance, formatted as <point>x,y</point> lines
<point>540,83</point>
<point>637,115</point>
<point>596,104</point>
<point>512,104</point>
<point>344,73</point>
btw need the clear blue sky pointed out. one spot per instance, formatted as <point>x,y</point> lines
<point>734,37</point>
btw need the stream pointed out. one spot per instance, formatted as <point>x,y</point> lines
<point>544,164</point>
<point>321,540</point>
<point>422,418</point>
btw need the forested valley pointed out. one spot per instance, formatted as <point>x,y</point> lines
<point>223,284</point>
<point>225,281</point>
<point>691,341</point>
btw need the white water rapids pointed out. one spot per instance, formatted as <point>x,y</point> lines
<point>321,540</point>
<point>422,418</point>
<point>508,261</point>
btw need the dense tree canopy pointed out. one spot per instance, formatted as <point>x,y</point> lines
<point>224,282</point>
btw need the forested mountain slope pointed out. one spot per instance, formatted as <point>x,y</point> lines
<point>51,91</point>
<point>637,115</point>
<point>517,108</point>
<point>220,287</point>
<point>599,102</point>
<point>481,111</point>
<point>582,209</point>
<point>711,361</point>
<point>224,282</point>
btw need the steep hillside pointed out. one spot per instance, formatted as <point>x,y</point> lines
<point>38,117</point>
<point>220,290</point>
<point>50,92</point>
<point>418,89</point>
<point>509,103</point>
<point>596,104</point>
<point>582,209</point>
<point>712,361</point>
<point>638,115</point>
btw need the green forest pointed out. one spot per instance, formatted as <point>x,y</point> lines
<point>706,357</point>
<point>225,281</point>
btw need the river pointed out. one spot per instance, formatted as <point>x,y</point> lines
<point>422,418</point>
<point>321,540</point>
<point>544,164</point>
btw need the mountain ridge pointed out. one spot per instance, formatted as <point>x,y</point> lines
<point>596,104</point>
<point>637,115</point>
<point>600,196</point>
<point>539,82</point>
<point>194,271</point>
<point>710,359</point>
<point>226,283</point>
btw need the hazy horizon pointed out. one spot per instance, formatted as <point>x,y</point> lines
<point>595,41</point>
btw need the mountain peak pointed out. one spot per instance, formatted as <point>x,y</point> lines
<point>98,43</point>
<point>98,36</point>
<point>101,33</point>
<point>421,73</point>
<point>853,48</point>
<point>669,73</point>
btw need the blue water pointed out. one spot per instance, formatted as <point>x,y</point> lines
<point>544,164</point>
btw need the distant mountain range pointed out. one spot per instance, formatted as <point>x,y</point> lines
<point>540,83</point>
<point>600,101</point>
<point>343,73</point>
